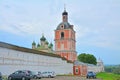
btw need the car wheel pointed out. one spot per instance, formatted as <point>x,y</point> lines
<point>35,77</point>
<point>10,78</point>
<point>23,78</point>
<point>49,76</point>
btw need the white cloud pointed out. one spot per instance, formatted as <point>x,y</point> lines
<point>81,31</point>
<point>95,24</point>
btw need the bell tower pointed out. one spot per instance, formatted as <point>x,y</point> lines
<point>65,16</point>
<point>65,42</point>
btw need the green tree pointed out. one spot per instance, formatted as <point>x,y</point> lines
<point>87,58</point>
<point>116,69</point>
<point>113,69</point>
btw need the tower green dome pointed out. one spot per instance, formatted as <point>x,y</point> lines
<point>51,44</point>
<point>38,45</point>
<point>43,38</point>
<point>33,43</point>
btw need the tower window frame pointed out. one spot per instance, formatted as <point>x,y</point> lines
<point>62,35</point>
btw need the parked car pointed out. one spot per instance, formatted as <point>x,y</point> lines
<point>21,74</point>
<point>0,76</point>
<point>91,74</point>
<point>37,75</point>
<point>49,74</point>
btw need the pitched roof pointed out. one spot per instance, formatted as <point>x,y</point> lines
<point>65,24</point>
<point>79,63</point>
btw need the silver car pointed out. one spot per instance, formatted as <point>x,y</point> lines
<point>49,74</point>
<point>39,75</point>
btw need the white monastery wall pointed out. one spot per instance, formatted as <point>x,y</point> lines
<point>96,68</point>
<point>12,60</point>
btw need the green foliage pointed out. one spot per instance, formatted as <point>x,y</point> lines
<point>113,69</point>
<point>108,76</point>
<point>108,69</point>
<point>87,58</point>
<point>116,70</point>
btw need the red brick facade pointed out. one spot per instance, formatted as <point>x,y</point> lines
<point>80,70</point>
<point>65,43</point>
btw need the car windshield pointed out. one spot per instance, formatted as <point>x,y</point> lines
<point>44,72</point>
<point>34,72</point>
<point>91,73</point>
<point>28,72</point>
<point>39,72</point>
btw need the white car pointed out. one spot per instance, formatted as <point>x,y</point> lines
<point>49,74</point>
<point>37,75</point>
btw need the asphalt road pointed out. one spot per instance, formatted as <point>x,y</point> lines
<point>67,78</point>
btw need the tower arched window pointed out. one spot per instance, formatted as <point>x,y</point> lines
<point>62,35</point>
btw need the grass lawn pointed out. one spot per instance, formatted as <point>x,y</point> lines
<point>108,76</point>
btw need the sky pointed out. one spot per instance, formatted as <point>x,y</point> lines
<point>96,22</point>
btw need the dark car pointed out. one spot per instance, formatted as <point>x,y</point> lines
<point>0,76</point>
<point>21,75</point>
<point>91,74</point>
